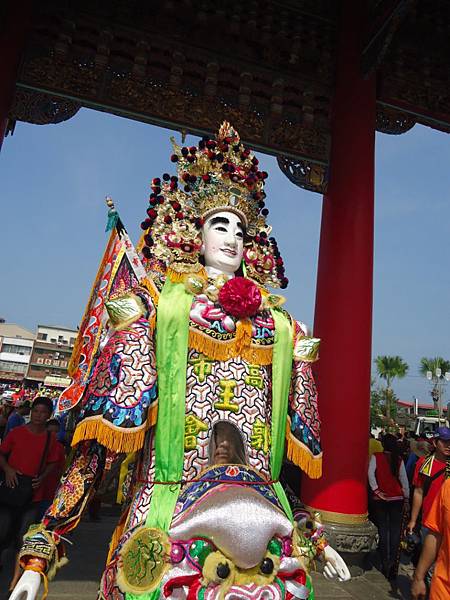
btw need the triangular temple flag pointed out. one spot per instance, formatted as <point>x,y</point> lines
<point>120,267</point>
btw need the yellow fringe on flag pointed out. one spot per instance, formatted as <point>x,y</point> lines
<point>117,534</point>
<point>299,454</point>
<point>218,350</point>
<point>148,284</point>
<point>114,438</point>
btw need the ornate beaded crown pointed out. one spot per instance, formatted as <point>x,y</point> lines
<point>223,175</point>
<point>219,174</point>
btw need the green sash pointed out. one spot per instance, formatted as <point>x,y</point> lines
<point>281,381</point>
<point>172,335</point>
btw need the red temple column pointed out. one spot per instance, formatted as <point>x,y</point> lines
<point>13,34</point>
<point>343,314</point>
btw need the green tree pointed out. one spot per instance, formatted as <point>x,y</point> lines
<point>390,368</point>
<point>380,399</point>
<point>376,408</point>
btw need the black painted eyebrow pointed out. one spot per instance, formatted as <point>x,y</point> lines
<point>216,220</point>
<point>224,221</point>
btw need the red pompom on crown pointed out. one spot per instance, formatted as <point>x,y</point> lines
<point>240,297</point>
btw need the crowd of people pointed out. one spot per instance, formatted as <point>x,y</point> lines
<point>32,460</point>
<point>34,451</point>
<point>409,493</point>
<point>408,498</point>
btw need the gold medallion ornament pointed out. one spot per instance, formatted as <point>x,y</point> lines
<point>143,561</point>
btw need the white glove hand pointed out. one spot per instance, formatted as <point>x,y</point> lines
<point>334,565</point>
<point>27,587</point>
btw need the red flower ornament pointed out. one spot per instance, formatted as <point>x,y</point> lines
<point>240,297</point>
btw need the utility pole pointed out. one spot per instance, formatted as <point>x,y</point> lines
<point>439,381</point>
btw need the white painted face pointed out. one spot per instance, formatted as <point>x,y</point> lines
<point>223,242</point>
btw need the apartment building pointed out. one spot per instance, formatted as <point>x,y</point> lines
<point>16,344</point>
<point>50,357</point>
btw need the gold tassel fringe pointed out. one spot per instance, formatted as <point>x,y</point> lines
<point>117,534</point>
<point>243,335</point>
<point>154,295</point>
<point>148,284</point>
<point>240,346</point>
<point>217,350</point>
<point>179,277</point>
<point>176,277</point>
<point>302,457</point>
<point>258,356</point>
<point>112,437</point>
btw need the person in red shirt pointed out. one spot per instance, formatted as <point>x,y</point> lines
<point>21,452</point>
<point>429,475</point>
<point>390,489</point>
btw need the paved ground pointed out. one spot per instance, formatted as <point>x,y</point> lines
<point>78,580</point>
<point>371,586</point>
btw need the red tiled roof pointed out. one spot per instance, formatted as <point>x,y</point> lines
<point>410,403</point>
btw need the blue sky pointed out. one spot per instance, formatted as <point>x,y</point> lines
<point>55,177</point>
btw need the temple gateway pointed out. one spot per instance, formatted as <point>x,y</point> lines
<point>309,81</point>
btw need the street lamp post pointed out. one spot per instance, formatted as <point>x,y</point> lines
<point>439,381</point>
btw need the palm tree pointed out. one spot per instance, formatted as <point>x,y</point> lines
<point>390,367</point>
<point>430,365</point>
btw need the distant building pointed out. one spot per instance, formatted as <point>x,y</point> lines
<point>16,344</point>
<point>406,412</point>
<point>50,357</point>
<point>407,406</point>
<point>56,335</point>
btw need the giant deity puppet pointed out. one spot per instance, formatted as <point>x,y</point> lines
<point>185,358</point>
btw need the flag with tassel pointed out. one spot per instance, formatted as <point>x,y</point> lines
<point>120,266</point>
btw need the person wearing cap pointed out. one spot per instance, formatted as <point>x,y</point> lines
<point>429,476</point>
<point>419,447</point>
